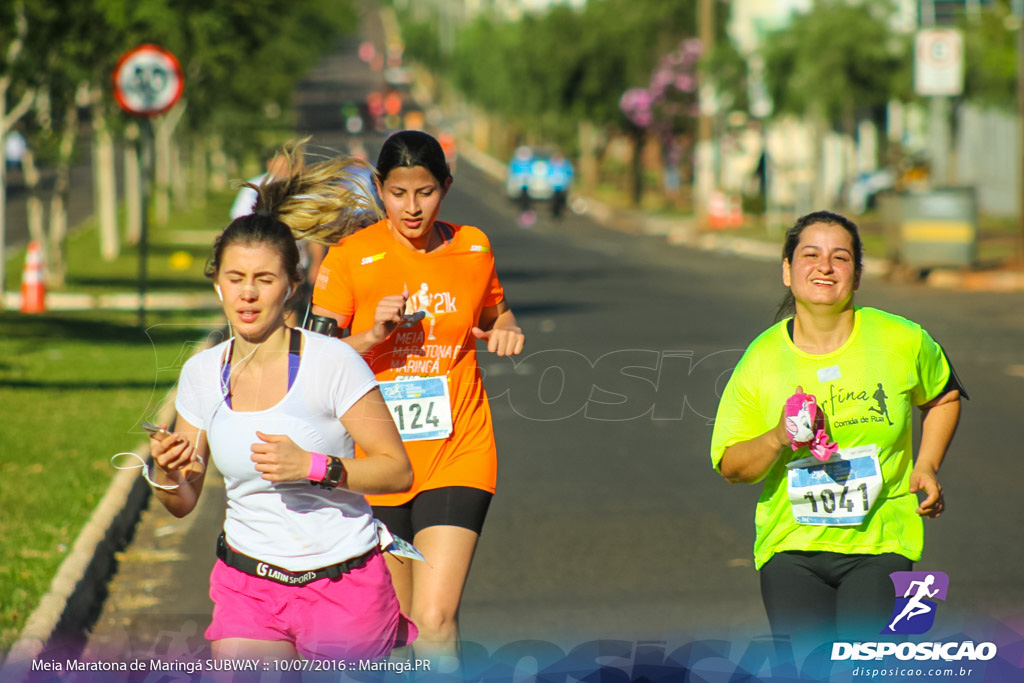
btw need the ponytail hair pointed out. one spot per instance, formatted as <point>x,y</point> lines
<point>322,202</point>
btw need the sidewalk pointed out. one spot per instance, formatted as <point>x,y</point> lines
<point>127,301</point>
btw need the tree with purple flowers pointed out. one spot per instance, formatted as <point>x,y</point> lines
<point>668,106</point>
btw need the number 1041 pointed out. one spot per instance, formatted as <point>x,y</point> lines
<point>830,499</point>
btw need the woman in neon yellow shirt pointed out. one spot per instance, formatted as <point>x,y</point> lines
<point>829,535</point>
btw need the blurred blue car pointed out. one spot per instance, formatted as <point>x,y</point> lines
<point>529,171</point>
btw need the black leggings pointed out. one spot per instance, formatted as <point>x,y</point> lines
<point>460,506</point>
<point>815,597</point>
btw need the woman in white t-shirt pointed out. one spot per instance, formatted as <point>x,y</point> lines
<point>300,570</point>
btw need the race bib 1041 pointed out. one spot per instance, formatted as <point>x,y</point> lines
<point>421,407</point>
<point>838,492</point>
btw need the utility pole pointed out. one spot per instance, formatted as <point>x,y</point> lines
<point>1018,12</point>
<point>938,117</point>
<point>704,183</point>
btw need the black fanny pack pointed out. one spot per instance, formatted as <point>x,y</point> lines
<point>265,570</point>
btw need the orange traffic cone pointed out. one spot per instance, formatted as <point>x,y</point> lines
<point>718,210</point>
<point>33,290</point>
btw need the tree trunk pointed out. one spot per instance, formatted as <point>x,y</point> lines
<point>132,185</point>
<point>104,177</point>
<point>162,175</point>
<point>848,168</point>
<point>199,173</point>
<point>179,177</point>
<point>481,131</point>
<point>818,198</point>
<point>56,266</point>
<point>588,157</point>
<point>637,193</point>
<point>3,198</point>
<point>34,203</point>
<point>164,140</point>
<point>6,120</point>
<point>219,176</point>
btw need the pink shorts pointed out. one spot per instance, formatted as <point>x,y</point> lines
<point>354,616</point>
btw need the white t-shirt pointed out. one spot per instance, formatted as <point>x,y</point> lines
<point>292,525</point>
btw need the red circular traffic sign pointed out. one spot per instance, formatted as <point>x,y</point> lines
<point>147,81</point>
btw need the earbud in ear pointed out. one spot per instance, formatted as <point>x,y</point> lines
<point>220,294</point>
<point>291,289</point>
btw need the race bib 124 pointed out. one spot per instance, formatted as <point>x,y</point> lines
<point>421,407</point>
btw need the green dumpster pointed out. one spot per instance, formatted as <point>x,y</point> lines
<point>938,227</point>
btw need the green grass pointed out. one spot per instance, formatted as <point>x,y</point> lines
<point>73,388</point>
<point>88,273</point>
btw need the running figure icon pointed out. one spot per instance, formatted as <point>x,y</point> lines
<point>916,607</point>
<point>420,301</point>
<point>882,409</point>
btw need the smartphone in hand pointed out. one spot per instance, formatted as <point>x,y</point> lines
<point>410,319</point>
<point>155,432</point>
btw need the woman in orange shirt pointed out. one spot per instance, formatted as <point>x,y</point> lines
<point>417,294</point>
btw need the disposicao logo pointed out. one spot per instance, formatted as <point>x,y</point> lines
<point>914,613</point>
<point>916,593</point>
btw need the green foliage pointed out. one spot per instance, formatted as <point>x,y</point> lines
<point>241,59</point>
<point>835,59</point>
<point>421,39</point>
<point>990,50</point>
<point>74,387</point>
<point>728,70</point>
<point>842,56</point>
<point>548,71</point>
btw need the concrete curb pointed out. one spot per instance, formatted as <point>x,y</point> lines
<point>70,602</point>
<point>995,281</point>
<point>128,301</point>
<point>69,606</point>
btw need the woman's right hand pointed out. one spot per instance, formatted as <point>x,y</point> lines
<point>388,315</point>
<point>747,462</point>
<point>171,453</point>
<point>180,466</point>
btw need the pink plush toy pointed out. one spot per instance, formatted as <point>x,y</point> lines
<point>806,426</point>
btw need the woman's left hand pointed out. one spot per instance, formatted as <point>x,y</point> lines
<point>923,478</point>
<point>278,458</point>
<point>504,341</point>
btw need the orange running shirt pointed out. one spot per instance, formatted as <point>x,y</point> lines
<point>452,284</point>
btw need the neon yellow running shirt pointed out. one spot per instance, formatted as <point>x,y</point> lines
<point>867,389</point>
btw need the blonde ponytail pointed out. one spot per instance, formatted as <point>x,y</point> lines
<point>322,202</point>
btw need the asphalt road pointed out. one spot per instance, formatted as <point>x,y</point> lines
<point>80,202</point>
<point>609,523</point>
